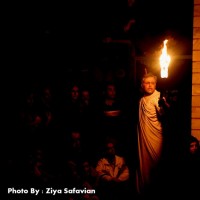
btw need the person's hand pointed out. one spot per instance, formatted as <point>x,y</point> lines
<point>162,102</point>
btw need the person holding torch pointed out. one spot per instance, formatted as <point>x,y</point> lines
<point>149,132</point>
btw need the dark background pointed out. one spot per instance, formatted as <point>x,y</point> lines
<point>52,41</point>
<point>59,33</point>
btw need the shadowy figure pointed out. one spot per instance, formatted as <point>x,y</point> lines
<point>111,114</point>
<point>89,179</point>
<point>113,174</point>
<point>192,166</point>
<point>71,108</point>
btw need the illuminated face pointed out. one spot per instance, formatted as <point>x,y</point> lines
<point>193,147</point>
<point>149,85</point>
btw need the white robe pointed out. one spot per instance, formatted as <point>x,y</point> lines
<point>150,138</point>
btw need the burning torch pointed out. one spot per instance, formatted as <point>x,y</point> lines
<point>164,61</point>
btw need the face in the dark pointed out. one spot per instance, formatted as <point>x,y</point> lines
<point>76,140</point>
<point>75,93</point>
<point>85,95</point>
<point>47,94</point>
<point>110,149</point>
<point>193,147</point>
<point>111,91</point>
<point>86,167</point>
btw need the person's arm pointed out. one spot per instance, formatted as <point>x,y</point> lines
<point>123,174</point>
<point>102,173</point>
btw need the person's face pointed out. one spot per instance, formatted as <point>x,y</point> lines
<point>75,93</point>
<point>47,93</point>
<point>76,139</point>
<point>110,149</point>
<point>85,95</point>
<point>193,147</point>
<point>111,91</point>
<point>86,167</point>
<point>75,135</point>
<point>149,85</point>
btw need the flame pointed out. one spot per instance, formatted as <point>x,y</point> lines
<point>164,61</point>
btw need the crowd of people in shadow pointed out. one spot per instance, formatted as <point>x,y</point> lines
<point>72,138</point>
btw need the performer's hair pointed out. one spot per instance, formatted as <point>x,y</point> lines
<point>149,75</point>
<point>193,139</point>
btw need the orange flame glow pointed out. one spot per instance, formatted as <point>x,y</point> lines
<point>164,61</point>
